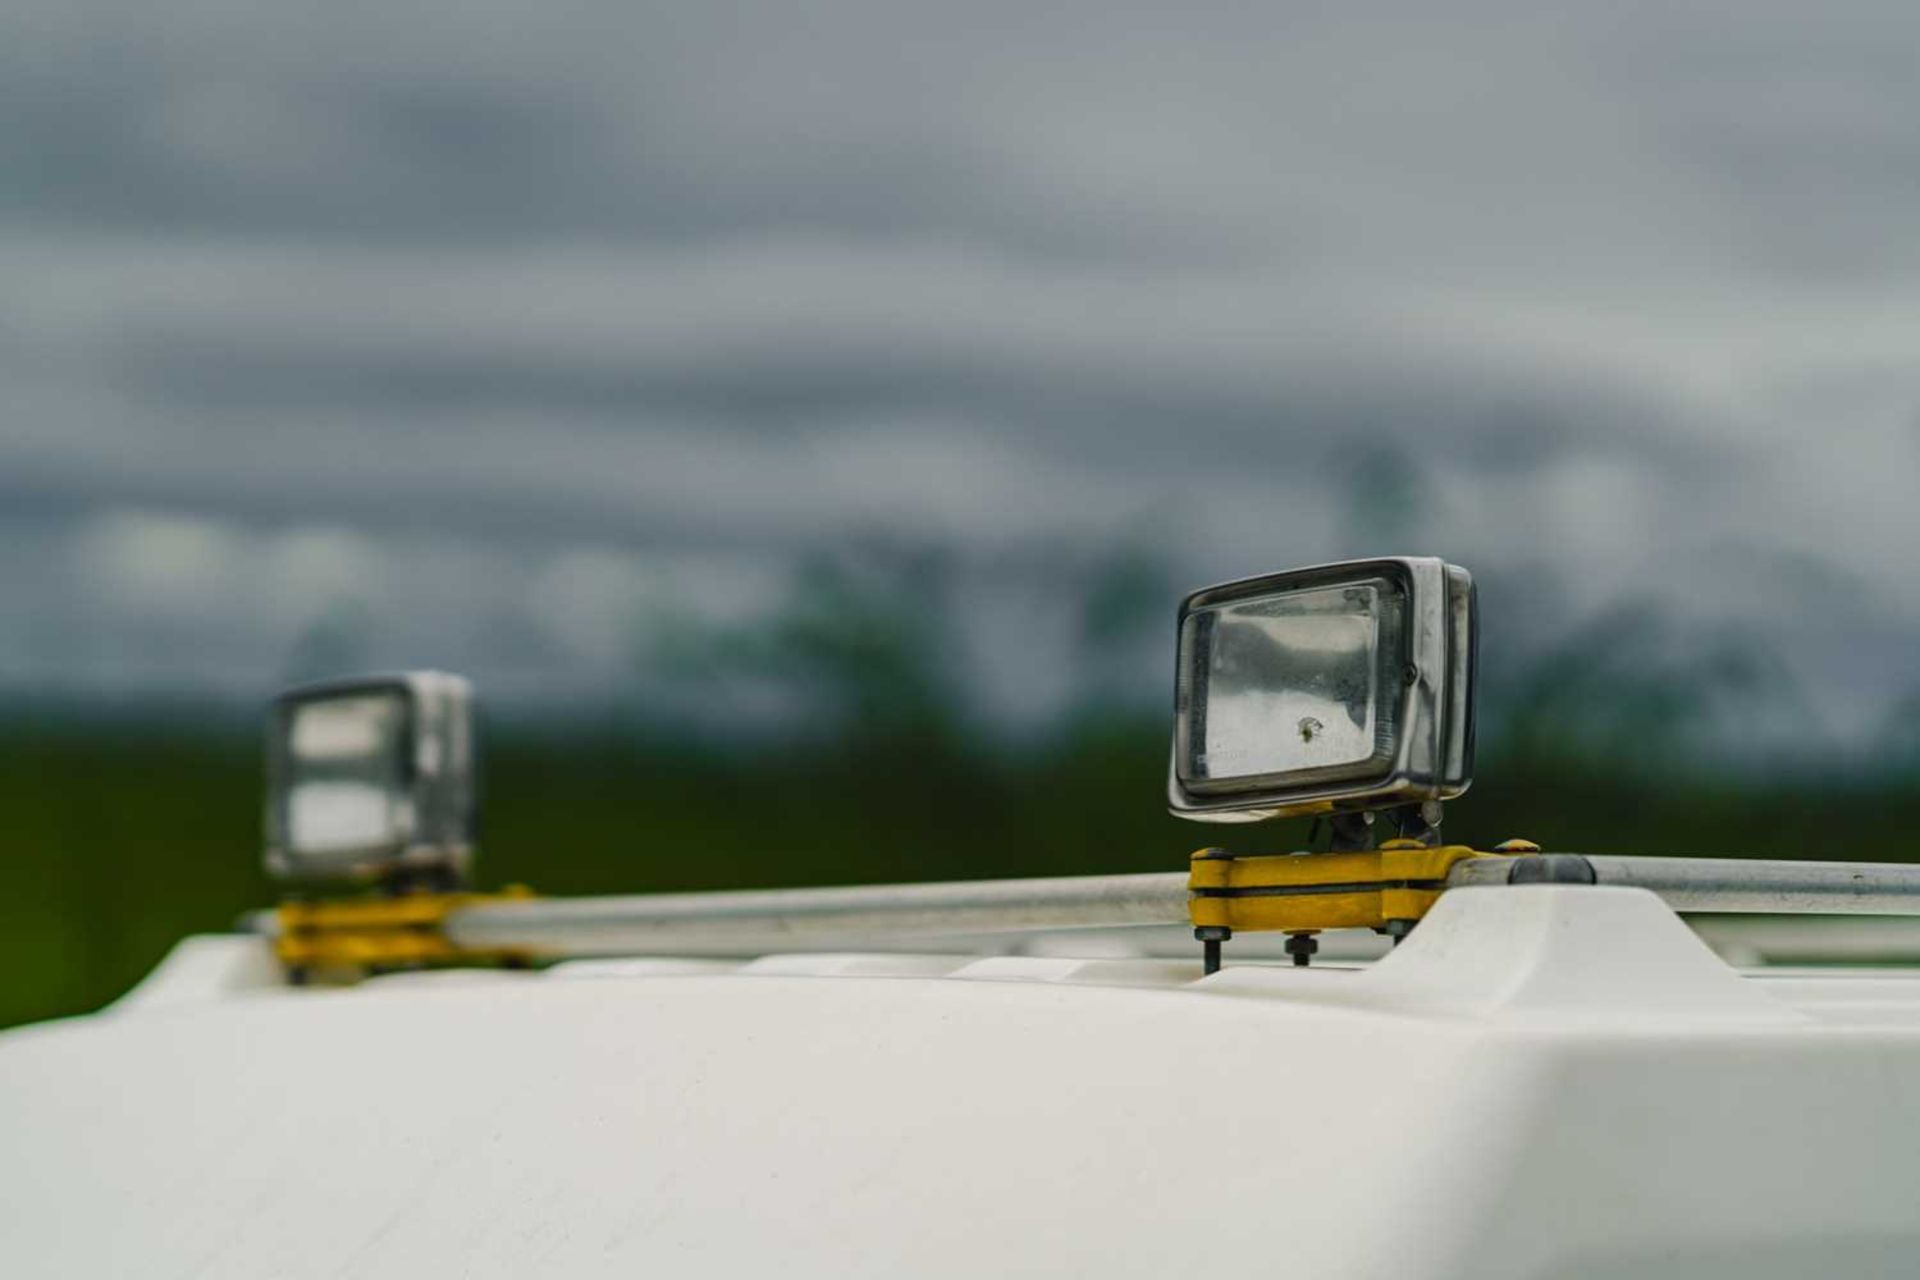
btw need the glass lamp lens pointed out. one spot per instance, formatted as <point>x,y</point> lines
<point>348,774</point>
<point>1302,684</point>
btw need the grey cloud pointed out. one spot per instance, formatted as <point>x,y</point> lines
<point>520,300</point>
<point>829,333</point>
<point>1493,135</point>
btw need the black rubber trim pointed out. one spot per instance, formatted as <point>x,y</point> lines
<point>1552,868</point>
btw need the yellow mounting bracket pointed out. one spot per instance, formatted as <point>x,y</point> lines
<point>1307,892</point>
<point>353,936</point>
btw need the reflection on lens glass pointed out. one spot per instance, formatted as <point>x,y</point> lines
<point>341,728</point>
<point>348,774</point>
<point>1287,683</point>
<point>325,817</point>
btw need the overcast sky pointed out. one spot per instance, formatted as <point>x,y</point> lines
<point>492,327</point>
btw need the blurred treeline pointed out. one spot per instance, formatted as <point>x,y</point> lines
<point>123,832</point>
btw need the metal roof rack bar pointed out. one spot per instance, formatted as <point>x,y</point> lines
<point>1751,885</point>
<point>752,921</point>
<point>756,921</point>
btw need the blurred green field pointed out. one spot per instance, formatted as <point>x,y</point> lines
<point>117,841</point>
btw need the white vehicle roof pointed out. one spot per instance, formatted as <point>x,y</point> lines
<point>1543,1081</point>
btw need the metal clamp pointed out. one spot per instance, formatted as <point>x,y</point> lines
<point>357,936</point>
<point>1386,889</point>
<point>1301,892</point>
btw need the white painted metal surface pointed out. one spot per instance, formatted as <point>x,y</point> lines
<point>1544,1081</point>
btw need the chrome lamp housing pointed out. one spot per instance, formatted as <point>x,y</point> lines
<point>372,778</point>
<point>1338,688</point>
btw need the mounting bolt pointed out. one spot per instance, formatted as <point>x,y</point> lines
<point>1210,936</point>
<point>1301,947</point>
<point>1398,930</point>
